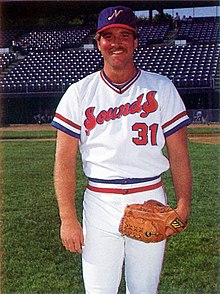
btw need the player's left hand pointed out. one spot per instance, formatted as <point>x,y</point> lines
<point>183,213</point>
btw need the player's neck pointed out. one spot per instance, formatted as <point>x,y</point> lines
<point>120,78</point>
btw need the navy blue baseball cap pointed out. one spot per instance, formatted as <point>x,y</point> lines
<point>118,16</point>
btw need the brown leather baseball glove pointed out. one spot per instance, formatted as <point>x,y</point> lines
<point>149,221</point>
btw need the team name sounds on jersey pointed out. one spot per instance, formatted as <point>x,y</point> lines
<point>145,108</point>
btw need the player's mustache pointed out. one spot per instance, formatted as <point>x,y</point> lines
<point>117,48</point>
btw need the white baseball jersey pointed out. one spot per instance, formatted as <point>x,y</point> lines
<point>122,131</point>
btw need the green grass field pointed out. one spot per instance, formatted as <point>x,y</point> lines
<point>33,259</point>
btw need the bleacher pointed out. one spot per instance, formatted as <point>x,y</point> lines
<point>152,34</point>
<point>50,40</point>
<point>50,71</point>
<point>51,60</point>
<point>6,59</point>
<point>187,66</point>
<point>200,30</point>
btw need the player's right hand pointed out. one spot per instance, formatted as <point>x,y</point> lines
<point>72,236</point>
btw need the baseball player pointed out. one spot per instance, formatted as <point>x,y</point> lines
<point>120,118</point>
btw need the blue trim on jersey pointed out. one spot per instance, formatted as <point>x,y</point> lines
<point>65,130</point>
<point>124,181</point>
<point>178,127</point>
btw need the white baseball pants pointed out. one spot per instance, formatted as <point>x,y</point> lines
<point>106,252</point>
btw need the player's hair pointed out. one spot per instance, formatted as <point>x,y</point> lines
<point>98,36</point>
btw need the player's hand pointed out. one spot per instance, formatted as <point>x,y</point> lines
<point>72,236</point>
<point>183,213</point>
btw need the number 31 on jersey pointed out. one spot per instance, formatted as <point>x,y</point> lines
<point>145,134</point>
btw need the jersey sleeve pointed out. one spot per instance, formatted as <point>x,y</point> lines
<point>67,117</point>
<point>174,115</point>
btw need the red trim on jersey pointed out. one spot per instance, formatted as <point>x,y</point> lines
<point>125,87</point>
<point>69,122</point>
<point>182,114</point>
<point>125,191</point>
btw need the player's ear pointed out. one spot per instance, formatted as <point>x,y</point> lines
<point>135,43</point>
<point>98,45</point>
<point>97,38</point>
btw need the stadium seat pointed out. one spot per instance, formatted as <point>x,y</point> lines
<point>51,65</point>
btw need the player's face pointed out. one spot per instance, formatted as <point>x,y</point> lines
<point>117,46</point>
